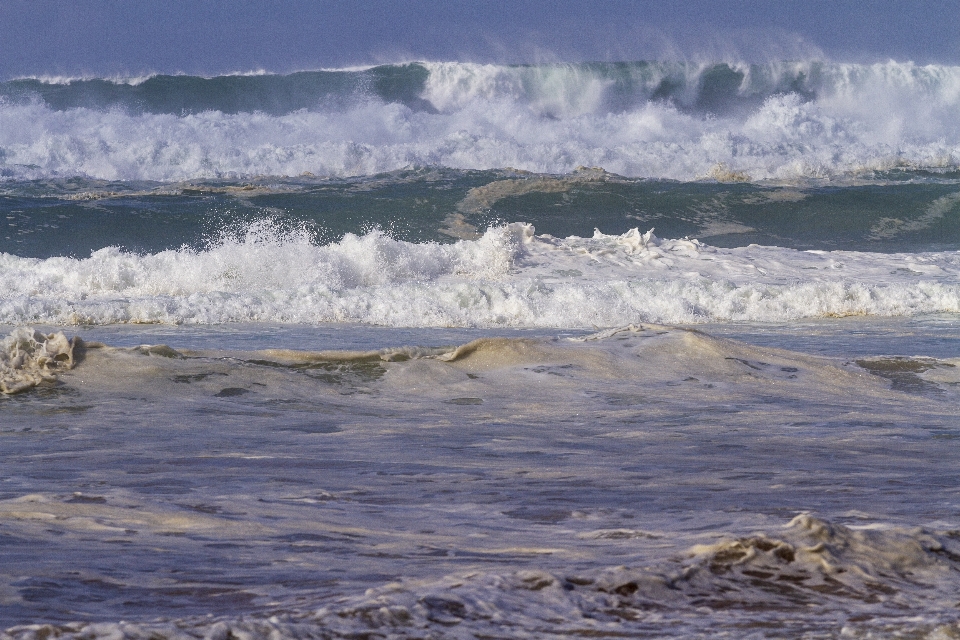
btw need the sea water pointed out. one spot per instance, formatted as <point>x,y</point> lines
<point>453,350</point>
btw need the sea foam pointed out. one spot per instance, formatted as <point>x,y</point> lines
<point>29,358</point>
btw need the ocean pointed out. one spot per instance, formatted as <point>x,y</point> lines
<point>453,350</point>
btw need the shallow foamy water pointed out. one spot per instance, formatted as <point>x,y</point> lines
<point>626,482</point>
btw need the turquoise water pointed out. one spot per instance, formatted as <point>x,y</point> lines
<point>904,212</point>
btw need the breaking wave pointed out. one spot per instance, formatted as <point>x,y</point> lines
<point>508,277</point>
<point>683,121</point>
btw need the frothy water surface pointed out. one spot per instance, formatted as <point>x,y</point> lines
<point>525,469</point>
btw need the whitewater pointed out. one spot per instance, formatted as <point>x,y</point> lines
<point>508,278</point>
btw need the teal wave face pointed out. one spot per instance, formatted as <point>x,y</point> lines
<point>268,93</point>
<point>718,88</point>
<point>77,217</point>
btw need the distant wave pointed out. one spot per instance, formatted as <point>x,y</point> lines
<point>684,121</point>
<point>230,94</point>
<point>555,90</point>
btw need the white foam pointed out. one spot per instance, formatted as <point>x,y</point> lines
<point>509,277</point>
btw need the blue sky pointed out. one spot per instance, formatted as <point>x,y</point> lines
<point>110,37</point>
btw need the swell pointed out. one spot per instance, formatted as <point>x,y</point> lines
<point>556,90</point>
<point>265,93</point>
